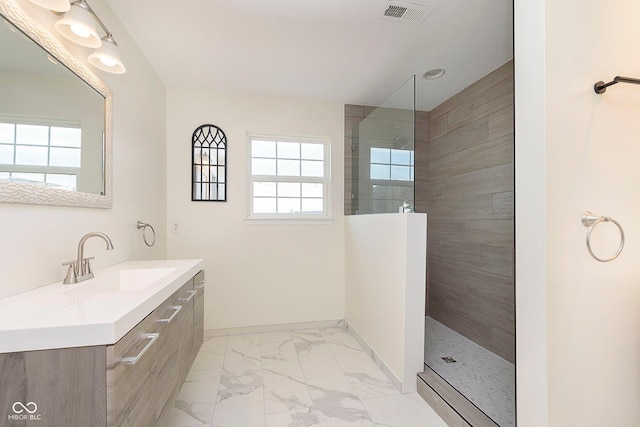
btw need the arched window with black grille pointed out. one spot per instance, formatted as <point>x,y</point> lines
<point>209,162</point>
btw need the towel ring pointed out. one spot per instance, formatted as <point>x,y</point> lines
<point>590,220</point>
<point>144,233</point>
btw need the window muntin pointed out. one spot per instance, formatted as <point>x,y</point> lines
<point>289,177</point>
<point>40,153</point>
<point>390,164</point>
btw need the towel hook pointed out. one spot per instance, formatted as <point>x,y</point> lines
<point>144,234</point>
<point>590,220</point>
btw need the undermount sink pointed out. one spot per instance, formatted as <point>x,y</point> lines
<point>127,280</point>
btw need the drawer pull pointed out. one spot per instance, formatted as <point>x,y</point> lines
<point>191,294</point>
<point>201,285</point>
<point>133,360</point>
<point>176,309</point>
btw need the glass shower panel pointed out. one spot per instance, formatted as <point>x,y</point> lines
<point>383,155</point>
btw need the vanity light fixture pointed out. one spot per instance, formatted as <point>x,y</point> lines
<point>78,25</point>
<point>107,57</point>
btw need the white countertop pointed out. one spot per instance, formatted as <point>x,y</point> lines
<point>98,311</point>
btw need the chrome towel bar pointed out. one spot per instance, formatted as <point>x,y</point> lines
<point>144,227</point>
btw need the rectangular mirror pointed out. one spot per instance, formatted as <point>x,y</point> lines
<point>55,120</point>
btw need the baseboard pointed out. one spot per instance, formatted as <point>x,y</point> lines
<point>376,358</point>
<point>274,328</point>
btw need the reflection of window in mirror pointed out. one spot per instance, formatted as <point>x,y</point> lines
<point>209,147</point>
<point>40,152</point>
<point>390,164</point>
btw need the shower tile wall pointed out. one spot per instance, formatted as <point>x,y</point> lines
<point>465,183</point>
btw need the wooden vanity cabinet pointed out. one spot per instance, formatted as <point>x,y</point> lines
<point>130,387</point>
<point>130,383</point>
<point>198,311</point>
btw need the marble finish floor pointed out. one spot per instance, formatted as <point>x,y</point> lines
<point>485,379</point>
<point>311,377</point>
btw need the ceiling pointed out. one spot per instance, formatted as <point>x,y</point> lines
<point>332,50</point>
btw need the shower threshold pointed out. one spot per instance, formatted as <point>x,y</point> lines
<point>449,403</point>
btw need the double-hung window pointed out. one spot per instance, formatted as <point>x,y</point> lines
<point>288,177</point>
<point>40,153</point>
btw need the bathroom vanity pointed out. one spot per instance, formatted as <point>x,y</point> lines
<point>112,351</point>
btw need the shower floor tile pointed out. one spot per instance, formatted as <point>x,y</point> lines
<point>259,380</point>
<point>485,379</point>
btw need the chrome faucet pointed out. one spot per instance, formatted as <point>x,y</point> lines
<point>80,269</point>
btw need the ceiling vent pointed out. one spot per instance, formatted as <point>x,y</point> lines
<point>405,12</point>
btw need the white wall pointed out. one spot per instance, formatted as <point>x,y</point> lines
<point>258,274</point>
<point>385,289</point>
<point>581,150</point>
<point>35,240</point>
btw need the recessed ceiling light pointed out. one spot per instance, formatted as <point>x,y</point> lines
<point>434,73</point>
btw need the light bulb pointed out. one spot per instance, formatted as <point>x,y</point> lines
<point>108,61</point>
<point>80,31</point>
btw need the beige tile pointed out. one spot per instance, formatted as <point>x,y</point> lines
<point>503,205</point>
<point>446,230</point>
<point>431,190</point>
<point>433,250</point>
<point>422,116</point>
<point>490,232</point>
<point>466,136</point>
<point>497,179</point>
<point>444,108</point>
<point>450,275</point>
<point>501,123</point>
<point>440,168</point>
<point>437,126</point>
<point>401,114</point>
<point>471,207</point>
<point>488,82</point>
<point>491,259</point>
<point>350,123</point>
<point>494,152</point>
<point>492,287</point>
<point>504,344</point>
<point>421,171</point>
<point>351,110</point>
<point>481,107</point>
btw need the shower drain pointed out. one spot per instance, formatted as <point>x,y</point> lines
<point>449,359</point>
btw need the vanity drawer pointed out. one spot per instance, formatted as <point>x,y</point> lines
<point>185,338</point>
<point>198,311</point>
<point>173,317</point>
<point>131,366</point>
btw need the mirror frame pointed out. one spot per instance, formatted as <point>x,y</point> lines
<point>30,194</point>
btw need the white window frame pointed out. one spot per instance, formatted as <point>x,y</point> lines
<point>280,218</point>
<point>41,169</point>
